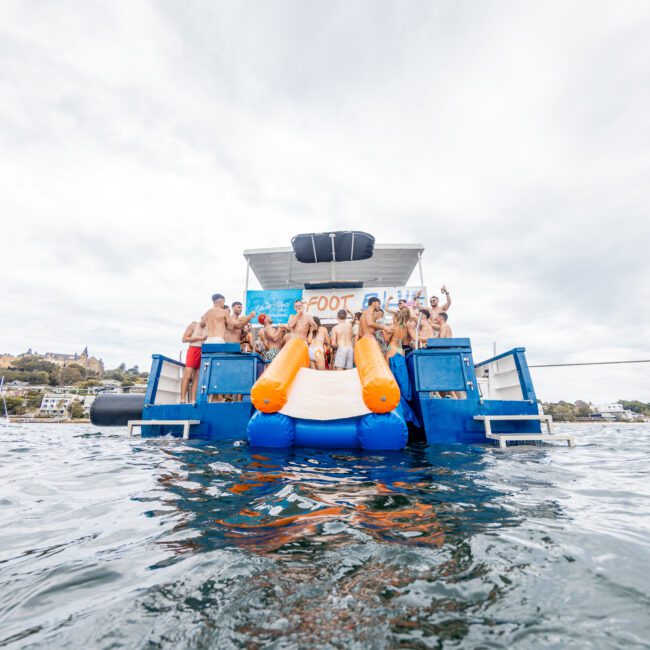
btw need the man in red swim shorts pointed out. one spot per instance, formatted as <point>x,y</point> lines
<point>194,335</point>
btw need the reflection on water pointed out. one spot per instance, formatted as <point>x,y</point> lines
<point>310,502</point>
<point>114,542</point>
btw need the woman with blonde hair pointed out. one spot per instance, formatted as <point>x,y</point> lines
<point>399,334</point>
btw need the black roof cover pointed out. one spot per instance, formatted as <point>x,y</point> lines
<point>341,246</point>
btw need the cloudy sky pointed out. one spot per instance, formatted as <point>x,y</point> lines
<point>144,145</point>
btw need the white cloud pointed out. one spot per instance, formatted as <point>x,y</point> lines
<point>145,145</point>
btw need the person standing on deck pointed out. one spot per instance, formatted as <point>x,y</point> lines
<point>217,320</point>
<point>436,307</point>
<point>426,332</point>
<point>246,341</point>
<point>399,334</point>
<point>194,335</point>
<point>381,335</point>
<point>356,317</point>
<point>445,330</point>
<point>317,339</point>
<point>301,323</point>
<point>342,341</point>
<point>367,323</point>
<point>272,335</point>
<point>233,335</point>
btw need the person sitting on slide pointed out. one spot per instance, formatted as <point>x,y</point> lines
<point>300,323</point>
<point>272,335</point>
<point>342,341</point>
<point>319,338</point>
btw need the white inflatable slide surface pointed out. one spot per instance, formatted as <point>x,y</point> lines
<point>324,395</point>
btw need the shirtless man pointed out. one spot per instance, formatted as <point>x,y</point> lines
<point>217,320</point>
<point>368,325</point>
<point>426,331</point>
<point>233,335</point>
<point>301,323</point>
<point>194,335</point>
<point>342,341</point>
<point>414,305</point>
<point>436,307</point>
<point>272,335</point>
<point>445,331</point>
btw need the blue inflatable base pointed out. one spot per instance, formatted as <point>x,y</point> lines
<point>375,431</point>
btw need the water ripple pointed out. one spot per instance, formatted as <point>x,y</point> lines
<point>115,542</point>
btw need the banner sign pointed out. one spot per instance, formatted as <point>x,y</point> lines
<point>327,302</point>
<point>277,304</point>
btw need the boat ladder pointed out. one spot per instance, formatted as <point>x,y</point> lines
<point>503,438</point>
<point>186,424</point>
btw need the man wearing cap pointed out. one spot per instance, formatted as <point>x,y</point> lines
<point>272,335</point>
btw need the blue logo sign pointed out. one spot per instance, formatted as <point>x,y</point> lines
<point>277,304</point>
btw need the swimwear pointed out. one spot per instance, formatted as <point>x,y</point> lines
<point>193,357</point>
<point>344,357</point>
<point>271,353</point>
<point>316,352</point>
<point>214,339</point>
<point>379,335</point>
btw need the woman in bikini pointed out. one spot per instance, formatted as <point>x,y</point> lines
<point>400,334</point>
<point>317,339</point>
<point>246,339</point>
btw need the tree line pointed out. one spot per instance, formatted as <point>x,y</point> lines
<point>571,411</point>
<point>36,371</point>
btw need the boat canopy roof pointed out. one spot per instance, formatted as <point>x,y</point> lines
<point>340,246</point>
<point>364,262</point>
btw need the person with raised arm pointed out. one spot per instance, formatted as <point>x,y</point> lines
<point>271,335</point>
<point>234,334</point>
<point>300,323</point>
<point>194,334</point>
<point>217,320</point>
<point>368,324</point>
<point>436,307</point>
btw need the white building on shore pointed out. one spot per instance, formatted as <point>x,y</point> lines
<point>615,411</point>
<point>57,404</point>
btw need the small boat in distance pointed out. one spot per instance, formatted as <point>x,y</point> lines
<point>440,394</point>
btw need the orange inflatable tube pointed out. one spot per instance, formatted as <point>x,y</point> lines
<point>269,393</point>
<point>380,390</point>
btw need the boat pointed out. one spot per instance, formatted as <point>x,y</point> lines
<point>440,395</point>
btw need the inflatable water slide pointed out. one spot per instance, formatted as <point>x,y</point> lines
<point>299,406</point>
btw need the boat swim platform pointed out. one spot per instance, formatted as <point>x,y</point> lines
<point>504,438</point>
<point>437,392</point>
<point>186,424</point>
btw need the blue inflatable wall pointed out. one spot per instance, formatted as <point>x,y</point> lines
<point>375,431</point>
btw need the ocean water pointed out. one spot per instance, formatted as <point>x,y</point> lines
<point>111,542</point>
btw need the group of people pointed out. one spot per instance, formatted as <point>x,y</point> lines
<point>411,326</point>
